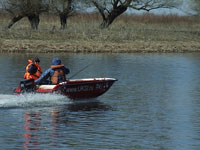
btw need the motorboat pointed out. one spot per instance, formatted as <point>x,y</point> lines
<point>72,88</point>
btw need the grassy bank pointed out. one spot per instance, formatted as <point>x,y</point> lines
<point>137,33</point>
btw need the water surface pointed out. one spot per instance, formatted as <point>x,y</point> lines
<point>155,104</point>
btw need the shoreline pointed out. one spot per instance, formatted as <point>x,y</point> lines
<point>38,46</point>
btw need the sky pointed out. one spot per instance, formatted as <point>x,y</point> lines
<point>182,11</point>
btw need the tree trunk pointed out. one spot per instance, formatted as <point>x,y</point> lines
<point>106,22</point>
<point>112,16</point>
<point>34,20</point>
<point>63,20</point>
<point>14,20</point>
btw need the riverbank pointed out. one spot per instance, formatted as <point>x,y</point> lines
<point>37,46</point>
<point>126,35</point>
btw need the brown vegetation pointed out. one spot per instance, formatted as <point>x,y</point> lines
<point>129,33</point>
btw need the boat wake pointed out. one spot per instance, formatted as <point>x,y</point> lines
<point>32,100</point>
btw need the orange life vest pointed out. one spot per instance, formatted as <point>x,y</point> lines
<point>37,74</point>
<point>39,68</point>
<point>58,72</point>
<point>29,63</point>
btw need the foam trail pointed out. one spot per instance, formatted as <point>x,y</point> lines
<point>32,100</point>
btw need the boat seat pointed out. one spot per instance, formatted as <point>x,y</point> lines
<point>46,86</point>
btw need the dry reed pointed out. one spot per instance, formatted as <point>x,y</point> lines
<point>128,33</point>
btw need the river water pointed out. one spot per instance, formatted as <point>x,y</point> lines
<point>154,105</point>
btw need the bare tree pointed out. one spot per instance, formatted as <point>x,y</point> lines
<point>195,5</point>
<point>111,9</point>
<point>64,8</point>
<point>25,8</point>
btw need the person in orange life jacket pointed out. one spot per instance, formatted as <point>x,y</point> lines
<point>56,73</point>
<point>32,72</point>
<point>36,62</point>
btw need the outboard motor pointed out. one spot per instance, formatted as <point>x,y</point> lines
<point>27,85</point>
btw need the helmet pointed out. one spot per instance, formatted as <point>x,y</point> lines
<point>36,59</point>
<point>56,61</point>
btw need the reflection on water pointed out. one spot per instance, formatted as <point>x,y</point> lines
<point>88,106</point>
<point>31,126</point>
<point>33,122</point>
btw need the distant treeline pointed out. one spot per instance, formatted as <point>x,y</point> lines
<point>108,10</point>
<point>126,18</point>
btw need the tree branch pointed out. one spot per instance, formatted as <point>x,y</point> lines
<point>100,8</point>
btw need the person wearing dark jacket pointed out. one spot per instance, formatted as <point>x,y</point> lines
<point>30,68</point>
<point>56,73</point>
